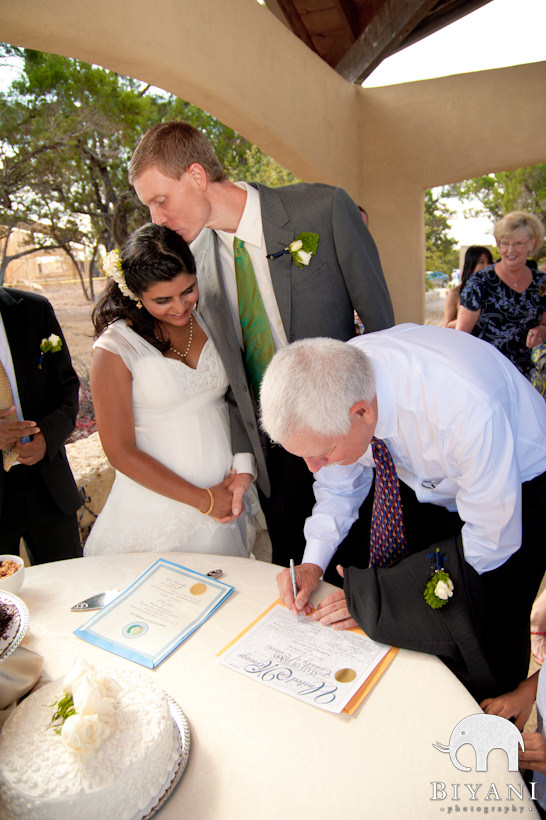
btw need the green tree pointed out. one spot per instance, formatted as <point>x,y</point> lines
<point>439,247</point>
<point>68,131</point>
<point>497,194</point>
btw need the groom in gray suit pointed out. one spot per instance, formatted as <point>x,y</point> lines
<point>177,175</point>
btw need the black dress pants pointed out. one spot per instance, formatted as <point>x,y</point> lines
<point>29,512</point>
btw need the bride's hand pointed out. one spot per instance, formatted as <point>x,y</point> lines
<point>223,501</point>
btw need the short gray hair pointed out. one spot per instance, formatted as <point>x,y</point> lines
<point>312,385</point>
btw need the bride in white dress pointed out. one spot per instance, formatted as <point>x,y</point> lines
<point>158,388</point>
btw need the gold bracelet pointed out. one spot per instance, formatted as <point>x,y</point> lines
<point>208,512</point>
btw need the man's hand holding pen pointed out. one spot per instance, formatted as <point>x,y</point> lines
<point>332,611</point>
<point>307,580</point>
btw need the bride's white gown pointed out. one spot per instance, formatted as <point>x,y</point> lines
<point>181,418</point>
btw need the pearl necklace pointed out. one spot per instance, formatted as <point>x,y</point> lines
<point>187,350</point>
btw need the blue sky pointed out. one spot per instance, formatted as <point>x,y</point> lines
<point>501,33</point>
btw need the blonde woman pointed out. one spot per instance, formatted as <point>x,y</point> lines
<point>505,303</point>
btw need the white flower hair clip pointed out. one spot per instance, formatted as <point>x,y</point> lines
<point>111,265</point>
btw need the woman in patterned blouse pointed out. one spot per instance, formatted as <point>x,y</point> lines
<point>505,303</point>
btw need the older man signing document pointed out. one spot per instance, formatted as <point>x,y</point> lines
<point>454,438</point>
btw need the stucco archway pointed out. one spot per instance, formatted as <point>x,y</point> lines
<point>237,61</point>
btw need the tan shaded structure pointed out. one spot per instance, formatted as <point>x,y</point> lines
<point>236,60</point>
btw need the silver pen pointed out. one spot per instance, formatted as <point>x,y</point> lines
<point>294,585</point>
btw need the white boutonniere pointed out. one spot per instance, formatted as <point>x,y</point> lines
<point>111,264</point>
<point>440,588</point>
<point>302,249</point>
<point>52,344</point>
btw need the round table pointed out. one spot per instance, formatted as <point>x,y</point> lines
<point>258,753</point>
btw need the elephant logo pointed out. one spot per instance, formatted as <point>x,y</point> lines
<point>484,733</point>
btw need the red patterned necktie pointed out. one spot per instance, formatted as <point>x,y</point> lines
<point>387,536</point>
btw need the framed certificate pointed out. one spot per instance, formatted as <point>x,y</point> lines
<point>158,611</point>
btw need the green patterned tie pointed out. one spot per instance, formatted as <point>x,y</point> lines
<point>257,337</point>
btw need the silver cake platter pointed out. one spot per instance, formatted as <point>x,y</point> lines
<point>18,626</point>
<point>183,756</point>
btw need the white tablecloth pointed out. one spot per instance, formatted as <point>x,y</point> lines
<point>257,753</point>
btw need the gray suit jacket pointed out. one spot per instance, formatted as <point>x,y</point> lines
<point>345,274</point>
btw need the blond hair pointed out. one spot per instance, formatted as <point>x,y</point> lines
<point>172,147</point>
<point>520,221</point>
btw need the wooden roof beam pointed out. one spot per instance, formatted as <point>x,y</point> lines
<point>388,29</point>
<point>347,11</point>
<point>295,22</point>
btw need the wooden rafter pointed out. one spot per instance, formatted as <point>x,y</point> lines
<point>387,30</point>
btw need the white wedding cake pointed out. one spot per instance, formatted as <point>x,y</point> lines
<point>111,758</point>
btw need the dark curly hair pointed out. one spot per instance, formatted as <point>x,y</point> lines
<point>151,254</point>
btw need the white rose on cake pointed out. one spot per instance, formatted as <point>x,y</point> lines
<point>107,687</point>
<point>80,669</point>
<point>85,733</point>
<point>88,698</point>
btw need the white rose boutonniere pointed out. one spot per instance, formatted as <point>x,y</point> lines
<point>52,344</point>
<point>440,588</point>
<point>444,589</point>
<point>302,249</point>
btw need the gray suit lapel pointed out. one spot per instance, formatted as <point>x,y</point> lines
<point>213,302</point>
<point>278,235</point>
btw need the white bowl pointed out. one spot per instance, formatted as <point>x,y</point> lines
<point>13,583</point>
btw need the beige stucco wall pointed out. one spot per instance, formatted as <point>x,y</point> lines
<point>237,61</point>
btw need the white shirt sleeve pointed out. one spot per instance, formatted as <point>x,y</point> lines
<point>489,494</point>
<point>245,463</point>
<point>339,492</point>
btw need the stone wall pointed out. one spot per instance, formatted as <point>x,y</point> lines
<point>92,472</point>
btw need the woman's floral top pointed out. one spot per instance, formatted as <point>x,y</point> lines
<point>506,315</point>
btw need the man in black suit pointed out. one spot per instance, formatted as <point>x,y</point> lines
<point>38,494</point>
<point>178,176</point>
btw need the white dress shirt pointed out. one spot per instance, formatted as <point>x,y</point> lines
<point>251,232</point>
<point>464,428</point>
<point>5,358</point>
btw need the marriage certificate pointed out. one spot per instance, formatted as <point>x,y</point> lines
<point>155,613</point>
<point>331,669</point>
